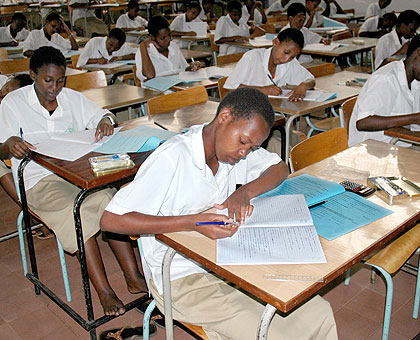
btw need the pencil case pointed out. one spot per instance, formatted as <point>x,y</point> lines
<point>387,190</point>
<point>102,165</point>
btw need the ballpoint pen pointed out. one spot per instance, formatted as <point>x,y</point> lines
<point>214,223</point>
<point>271,79</point>
<point>317,204</point>
<point>22,139</point>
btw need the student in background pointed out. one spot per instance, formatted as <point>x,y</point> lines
<point>45,11</point>
<point>47,107</point>
<point>377,8</point>
<point>313,14</point>
<point>253,10</point>
<point>131,21</point>
<point>331,8</point>
<point>376,27</point>
<point>103,50</point>
<point>95,26</point>
<point>206,13</point>
<point>395,43</point>
<point>390,98</point>
<point>269,69</point>
<point>232,27</point>
<point>49,36</point>
<point>15,32</point>
<point>279,7</point>
<point>159,56</point>
<point>215,157</point>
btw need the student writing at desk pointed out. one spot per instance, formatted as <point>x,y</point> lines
<point>15,32</point>
<point>159,56</point>
<point>103,50</point>
<point>395,43</point>
<point>376,27</point>
<point>189,174</point>
<point>390,98</point>
<point>269,69</point>
<point>313,14</point>
<point>131,21</point>
<point>48,107</point>
<point>49,36</point>
<point>377,8</point>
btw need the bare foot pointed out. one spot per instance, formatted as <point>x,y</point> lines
<point>111,304</point>
<point>136,286</point>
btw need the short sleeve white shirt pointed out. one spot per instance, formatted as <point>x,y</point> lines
<point>78,13</point>
<point>124,21</point>
<point>252,70</point>
<point>317,21</point>
<point>37,39</point>
<point>22,109</point>
<point>6,36</point>
<point>375,10</point>
<point>278,7</point>
<point>174,63</point>
<point>246,15</point>
<point>387,45</point>
<point>370,25</point>
<point>225,27</point>
<point>175,180</point>
<point>96,48</point>
<point>386,93</point>
<point>179,25</point>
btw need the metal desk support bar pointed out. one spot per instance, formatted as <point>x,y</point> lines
<point>167,297</point>
<point>265,321</point>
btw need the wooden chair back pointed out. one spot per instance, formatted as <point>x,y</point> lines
<point>347,109</point>
<point>342,35</point>
<point>86,81</point>
<point>176,100</point>
<point>74,60</point>
<point>222,91</point>
<point>229,58</point>
<point>137,81</point>
<point>322,69</point>
<point>356,32</point>
<point>318,147</point>
<point>3,54</point>
<point>13,9</point>
<point>214,46</point>
<point>14,66</point>
<point>282,17</point>
<point>263,29</point>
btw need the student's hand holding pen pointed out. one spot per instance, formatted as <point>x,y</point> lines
<point>17,147</point>
<point>102,61</point>
<point>104,128</point>
<point>238,205</point>
<point>272,90</point>
<point>214,226</point>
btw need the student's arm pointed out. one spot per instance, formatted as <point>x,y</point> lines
<point>148,70</point>
<point>105,126</point>
<point>300,91</point>
<point>269,90</point>
<point>258,6</point>
<point>311,17</point>
<point>180,33</point>
<point>403,49</point>
<point>232,39</point>
<point>376,34</point>
<point>28,53</point>
<point>10,43</point>
<point>14,147</point>
<point>97,61</point>
<point>129,56</point>
<point>339,9</point>
<point>73,42</point>
<point>380,123</point>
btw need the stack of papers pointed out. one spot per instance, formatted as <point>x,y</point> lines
<point>321,47</point>
<point>311,95</point>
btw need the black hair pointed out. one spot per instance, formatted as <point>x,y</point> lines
<point>313,1</point>
<point>391,17</point>
<point>414,45</point>
<point>18,16</point>
<point>23,79</point>
<point>205,2</point>
<point>118,34</point>
<point>46,55</point>
<point>407,17</point>
<point>195,5</point>
<point>53,16</point>
<point>295,8</point>
<point>234,5</point>
<point>246,102</point>
<point>292,34</point>
<point>156,24</point>
<point>132,4</point>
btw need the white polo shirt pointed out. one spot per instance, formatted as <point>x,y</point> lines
<point>175,180</point>
<point>6,36</point>
<point>174,63</point>
<point>225,27</point>
<point>318,20</point>
<point>77,13</point>
<point>370,25</point>
<point>375,10</point>
<point>37,39</point>
<point>246,15</point>
<point>21,109</point>
<point>387,45</point>
<point>96,48</point>
<point>252,70</point>
<point>178,25</point>
<point>386,93</point>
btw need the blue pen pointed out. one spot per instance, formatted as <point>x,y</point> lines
<point>213,223</point>
<point>21,137</point>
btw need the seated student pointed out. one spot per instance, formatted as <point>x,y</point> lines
<point>376,27</point>
<point>177,26</point>
<point>49,36</point>
<point>279,7</point>
<point>332,8</point>
<point>206,13</point>
<point>314,17</point>
<point>47,106</point>
<point>15,32</point>
<point>131,21</point>
<point>208,162</point>
<point>390,98</point>
<point>103,50</point>
<point>159,56</point>
<point>95,26</point>
<point>253,10</point>
<point>232,27</point>
<point>269,69</point>
<point>395,43</point>
<point>377,8</point>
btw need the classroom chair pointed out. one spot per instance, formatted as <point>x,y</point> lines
<point>86,81</point>
<point>262,29</point>
<point>346,111</point>
<point>14,66</point>
<point>137,81</point>
<point>222,91</point>
<point>229,58</point>
<point>214,48</point>
<point>279,18</point>
<point>74,60</point>
<point>3,54</point>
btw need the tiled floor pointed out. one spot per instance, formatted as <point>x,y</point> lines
<point>358,308</point>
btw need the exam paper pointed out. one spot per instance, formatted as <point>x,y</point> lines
<point>321,47</point>
<point>104,66</point>
<point>310,96</point>
<point>261,41</point>
<point>200,28</point>
<point>204,73</point>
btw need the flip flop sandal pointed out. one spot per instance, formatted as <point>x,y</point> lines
<point>127,333</point>
<point>157,317</point>
<point>42,235</point>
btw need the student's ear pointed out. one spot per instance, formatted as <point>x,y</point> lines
<point>224,116</point>
<point>276,41</point>
<point>32,74</point>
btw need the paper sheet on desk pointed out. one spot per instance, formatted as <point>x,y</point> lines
<point>311,95</point>
<point>414,127</point>
<point>104,66</point>
<point>199,27</point>
<point>204,73</point>
<point>261,41</point>
<point>321,47</point>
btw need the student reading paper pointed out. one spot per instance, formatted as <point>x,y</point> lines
<point>15,32</point>
<point>377,8</point>
<point>189,174</point>
<point>131,21</point>
<point>376,27</point>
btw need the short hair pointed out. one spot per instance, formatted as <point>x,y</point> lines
<point>234,5</point>
<point>295,8</point>
<point>23,79</point>
<point>118,34</point>
<point>391,17</point>
<point>407,17</point>
<point>292,34</point>
<point>53,16</point>
<point>414,45</point>
<point>195,5</point>
<point>132,4</point>
<point>18,16</point>
<point>156,24</point>
<point>246,102</point>
<point>46,55</point>
<point>306,1</point>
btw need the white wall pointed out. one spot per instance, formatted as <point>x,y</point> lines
<point>396,5</point>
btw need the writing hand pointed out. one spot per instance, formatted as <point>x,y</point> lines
<point>215,231</point>
<point>102,61</point>
<point>115,59</point>
<point>298,93</point>
<point>238,205</point>
<point>272,90</point>
<point>17,147</point>
<point>195,66</point>
<point>105,128</point>
<point>13,43</point>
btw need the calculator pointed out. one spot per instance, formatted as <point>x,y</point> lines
<point>357,188</point>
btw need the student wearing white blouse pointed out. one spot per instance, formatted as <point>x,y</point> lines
<point>15,32</point>
<point>80,12</point>
<point>314,17</point>
<point>377,8</point>
<point>376,27</point>
<point>206,13</point>
<point>131,21</point>
<point>253,10</point>
<point>278,7</point>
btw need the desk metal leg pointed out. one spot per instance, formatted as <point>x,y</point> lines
<point>289,123</point>
<point>265,321</point>
<point>167,298</point>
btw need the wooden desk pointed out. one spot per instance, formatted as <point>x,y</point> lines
<point>197,55</point>
<point>403,134</point>
<point>193,39</point>
<point>342,253</point>
<point>110,71</point>
<point>247,44</point>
